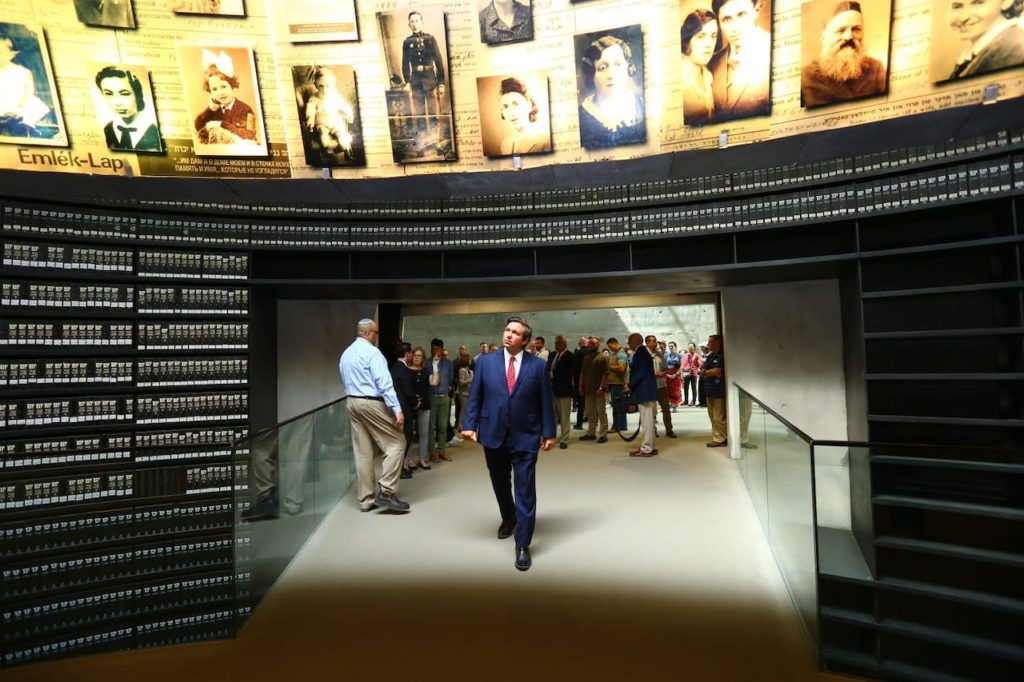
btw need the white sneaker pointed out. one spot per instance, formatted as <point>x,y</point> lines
<point>455,441</point>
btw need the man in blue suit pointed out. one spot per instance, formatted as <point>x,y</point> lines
<point>643,386</point>
<point>510,413</point>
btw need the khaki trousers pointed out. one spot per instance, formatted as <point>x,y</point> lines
<point>596,411</point>
<point>716,412</point>
<point>373,431</point>
<point>648,411</point>
<point>563,408</point>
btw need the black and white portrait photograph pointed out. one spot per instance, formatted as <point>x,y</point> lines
<point>515,114</point>
<point>123,100</point>
<point>223,100</point>
<point>419,100</point>
<point>975,37</point>
<point>328,108</point>
<point>106,13</point>
<point>29,108</point>
<point>505,21</point>
<point>844,50</point>
<point>610,87</point>
<point>225,8</point>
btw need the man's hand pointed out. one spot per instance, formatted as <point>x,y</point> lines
<point>713,372</point>
<point>440,89</point>
<point>399,419</point>
<point>471,435</point>
<point>547,443</point>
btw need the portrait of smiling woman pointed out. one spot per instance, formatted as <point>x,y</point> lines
<point>610,84</point>
<point>975,37</point>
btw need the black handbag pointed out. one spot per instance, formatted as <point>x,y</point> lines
<point>625,402</point>
<point>628,404</point>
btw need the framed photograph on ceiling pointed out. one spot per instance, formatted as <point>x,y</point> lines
<point>610,87</point>
<point>29,108</point>
<point>419,100</point>
<point>844,50</point>
<point>328,108</point>
<point>974,38</point>
<point>515,114</point>
<point>223,100</point>
<point>123,100</point>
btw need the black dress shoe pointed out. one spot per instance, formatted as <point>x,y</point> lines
<point>523,560</point>
<point>602,439</point>
<point>563,446</point>
<point>715,444</point>
<point>406,473</point>
<point>391,501</point>
<point>505,529</point>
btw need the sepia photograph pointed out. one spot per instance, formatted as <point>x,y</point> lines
<point>975,37</point>
<point>419,100</point>
<point>223,100</point>
<point>741,69</point>
<point>123,100</point>
<point>699,41</point>
<point>505,21</point>
<point>328,108</point>
<point>106,13</point>
<point>610,87</point>
<point>515,114</point>
<point>844,50</point>
<point>225,8</point>
<point>29,108</point>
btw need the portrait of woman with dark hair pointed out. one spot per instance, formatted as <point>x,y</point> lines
<point>698,39</point>
<point>130,122</point>
<point>610,81</point>
<point>515,114</point>
<point>519,111</point>
<point>991,36</point>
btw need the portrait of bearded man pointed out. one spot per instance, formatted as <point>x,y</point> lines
<point>842,70</point>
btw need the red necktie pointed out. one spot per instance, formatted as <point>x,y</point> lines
<point>510,376</point>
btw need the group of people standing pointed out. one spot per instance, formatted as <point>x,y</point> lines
<point>511,401</point>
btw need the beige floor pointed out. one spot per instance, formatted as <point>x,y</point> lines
<point>642,567</point>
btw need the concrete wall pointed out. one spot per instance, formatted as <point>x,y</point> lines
<point>784,345</point>
<point>311,335</point>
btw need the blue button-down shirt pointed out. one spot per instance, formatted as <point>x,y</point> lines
<point>364,372</point>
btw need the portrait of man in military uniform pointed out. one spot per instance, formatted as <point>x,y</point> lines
<point>418,99</point>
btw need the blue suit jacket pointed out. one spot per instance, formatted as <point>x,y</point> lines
<point>524,416</point>
<point>642,382</point>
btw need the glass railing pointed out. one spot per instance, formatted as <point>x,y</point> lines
<point>288,479</point>
<point>776,460</point>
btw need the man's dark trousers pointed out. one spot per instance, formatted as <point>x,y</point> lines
<point>521,507</point>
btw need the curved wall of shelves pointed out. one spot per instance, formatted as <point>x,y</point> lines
<point>125,345</point>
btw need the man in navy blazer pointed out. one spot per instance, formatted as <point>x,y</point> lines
<point>510,413</point>
<point>643,386</point>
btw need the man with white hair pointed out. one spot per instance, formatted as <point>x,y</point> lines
<point>376,419</point>
<point>842,71</point>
